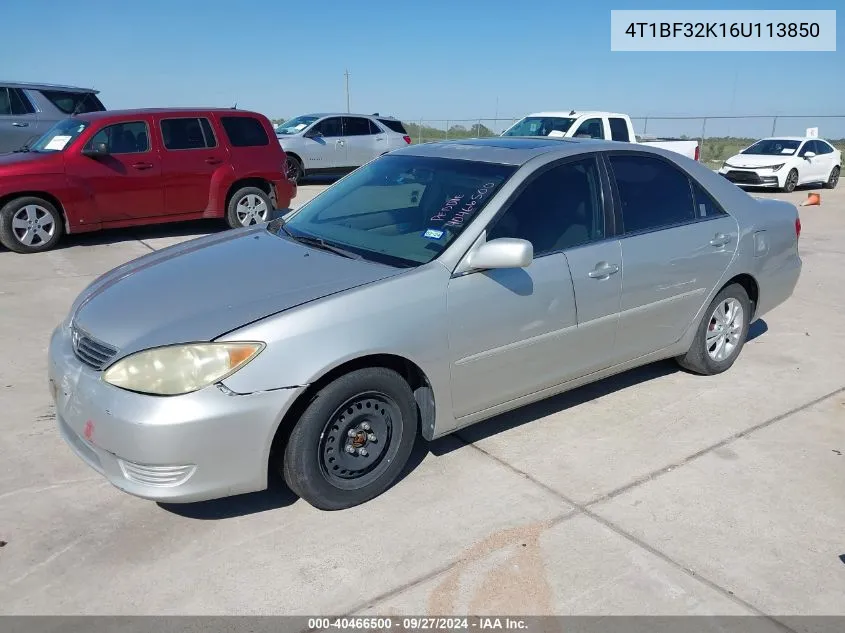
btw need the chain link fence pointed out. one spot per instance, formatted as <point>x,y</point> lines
<point>720,136</point>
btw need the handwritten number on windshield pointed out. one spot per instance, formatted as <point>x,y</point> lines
<point>460,216</point>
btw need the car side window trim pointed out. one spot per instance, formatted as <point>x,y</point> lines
<point>617,202</point>
<point>604,202</point>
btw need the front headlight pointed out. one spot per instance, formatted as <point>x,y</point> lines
<point>776,167</point>
<point>179,369</point>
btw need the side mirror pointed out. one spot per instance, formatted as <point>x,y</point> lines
<point>313,134</point>
<point>95,150</point>
<point>505,252</point>
<point>809,154</point>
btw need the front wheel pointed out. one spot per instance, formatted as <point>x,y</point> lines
<point>721,333</point>
<point>791,181</point>
<point>833,179</point>
<point>248,206</point>
<point>353,440</point>
<point>293,169</point>
<point>30,225</point>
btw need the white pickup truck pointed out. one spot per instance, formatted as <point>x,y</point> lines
<point>603,125</point>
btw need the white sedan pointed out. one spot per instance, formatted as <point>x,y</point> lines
<point>785,162</point>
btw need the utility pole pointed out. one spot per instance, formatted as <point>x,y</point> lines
<point>346,74</point>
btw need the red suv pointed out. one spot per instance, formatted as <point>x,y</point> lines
<point>130,167</point>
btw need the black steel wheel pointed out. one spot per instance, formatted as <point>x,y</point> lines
<point>293,168</point>
<point>353,439</point>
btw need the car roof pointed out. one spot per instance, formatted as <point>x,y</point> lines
<point>511,150</point>
<point>790,138</point>
<point>35,86</point>
<point>372,116</point>
<point>105,114</point>
<point>575,113</point>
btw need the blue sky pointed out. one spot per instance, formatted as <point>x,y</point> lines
<point>432,60</point>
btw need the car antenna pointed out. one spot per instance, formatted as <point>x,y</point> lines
<point>79,104</point>
<point>235,107</point>
<point>571,112</point>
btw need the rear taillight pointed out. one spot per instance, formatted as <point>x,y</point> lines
<point>797,228</point>
<point>407,139</point>
<point>697,152</point>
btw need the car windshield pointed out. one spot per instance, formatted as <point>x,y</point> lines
<point>540,126</point>
<point>773,147</point>
<point>295,125</point>
<point>397,210</point>
<point>60,136</point>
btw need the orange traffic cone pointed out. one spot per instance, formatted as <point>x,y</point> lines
<point>813,200</point>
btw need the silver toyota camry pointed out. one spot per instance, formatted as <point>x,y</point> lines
<point>433,288</point>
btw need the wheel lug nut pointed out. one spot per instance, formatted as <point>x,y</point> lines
<point>371,437</point>
<point>362,452</point>
<point>350,449</point>
<point>350,433</point>
<point>365,426</point>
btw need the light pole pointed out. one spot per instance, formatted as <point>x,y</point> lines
<point>346,74</point>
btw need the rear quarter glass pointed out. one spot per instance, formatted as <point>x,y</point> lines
<point>396,126</point>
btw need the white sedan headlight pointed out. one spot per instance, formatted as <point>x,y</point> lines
<point>179,369</point>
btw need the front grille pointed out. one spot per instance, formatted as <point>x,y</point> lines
<point>156,475</point>
<point>744,176</point>
<point>89,350</point>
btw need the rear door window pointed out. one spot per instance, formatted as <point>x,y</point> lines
<point>653,193</point>
<point>245,131</point>
<point>187,133</point>
<point>619,129</point>
<point>13,102</point>
<point>356,126</point>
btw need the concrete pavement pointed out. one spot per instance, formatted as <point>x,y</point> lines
<point>653,492</point>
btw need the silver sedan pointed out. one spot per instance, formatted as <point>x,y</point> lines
<point>433,288</point>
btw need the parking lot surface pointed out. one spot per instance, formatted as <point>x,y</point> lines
<point>653,492</point>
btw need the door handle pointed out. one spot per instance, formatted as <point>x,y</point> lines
<point>603,270</point>
<point>720,239</point>
<point>213,161</point>
<point>339,142</point>
<point>142,165</point>
<point>20,124</point>
<point>379,138</point>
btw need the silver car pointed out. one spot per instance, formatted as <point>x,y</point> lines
<point>337,143</point>
<point>433,288</point>
<point>28,110</point>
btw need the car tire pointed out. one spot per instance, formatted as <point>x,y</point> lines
<point>791,181</point>
<point>317,464</point>
<point>42,228</point>
<point>248,206</point>
<point>721,334</point>
<point>293,168</point>
<point>833,179</point>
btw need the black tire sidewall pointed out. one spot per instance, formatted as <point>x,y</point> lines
<point>833,171</point>
<point>7,237</point>
<point>300,170</point>
<point>697,359</point>
<point>301,466</point>
<point>232,209</point>
<point>790,188</point>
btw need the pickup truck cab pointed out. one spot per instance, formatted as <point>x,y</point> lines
<point>122,168</point>
<point>609,126</point>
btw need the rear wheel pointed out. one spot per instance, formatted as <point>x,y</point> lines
<point>248,206</point>
<point>353,439</point>
<point>30,225</point>
<point>833,179</point>
<point>721,333</point>
<point>791,181</point>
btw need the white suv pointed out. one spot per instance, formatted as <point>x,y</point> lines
<point>335,143</point>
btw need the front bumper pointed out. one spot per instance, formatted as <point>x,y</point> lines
<point>197,446</point>
<point>753,178</point>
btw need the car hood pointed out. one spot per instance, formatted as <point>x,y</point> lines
<point>29,162</point>
<point>755,161</point>
<point>202,289</point>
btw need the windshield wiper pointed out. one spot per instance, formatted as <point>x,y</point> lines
<point>317,242</point>
<point>22,149</point>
